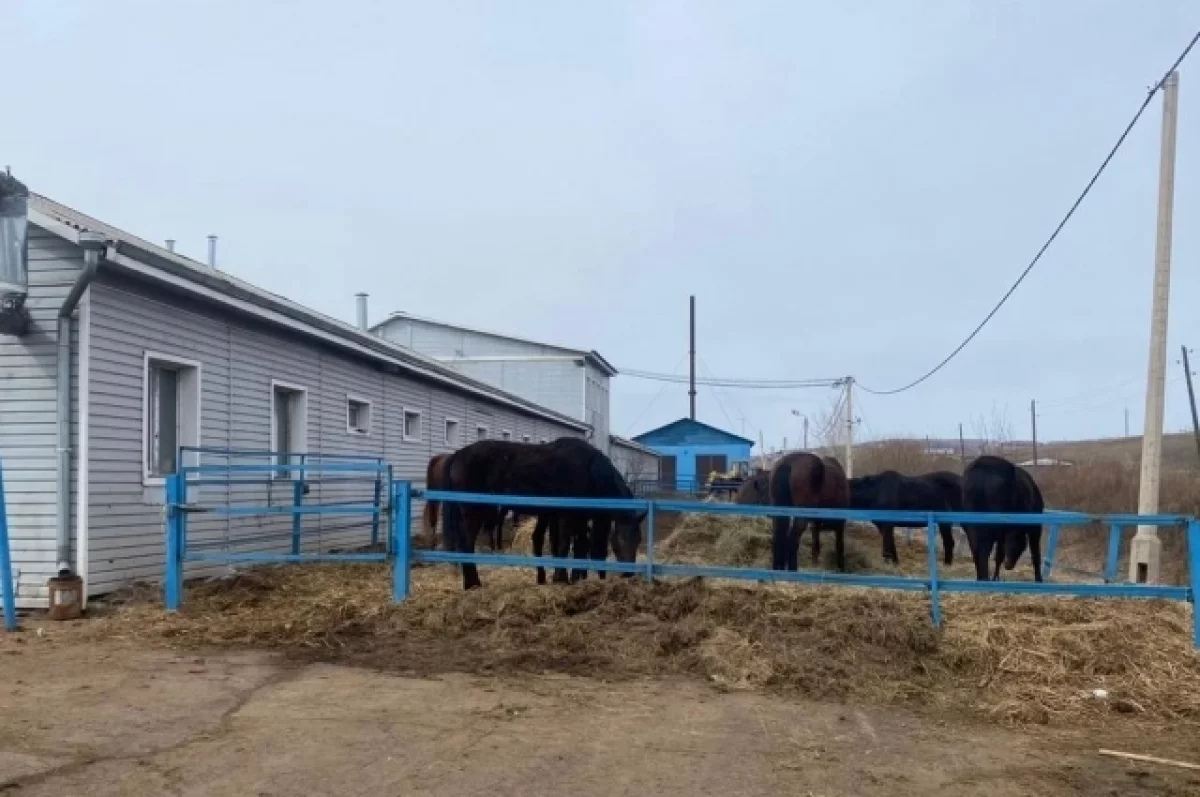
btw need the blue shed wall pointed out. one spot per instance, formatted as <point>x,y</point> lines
<point>685,459</point>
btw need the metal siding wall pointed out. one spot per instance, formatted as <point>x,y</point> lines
<point>28,429</point>
<point>553,384</point>
<point>239,360</point>
<point>596,407</point>
<point>444,341</point>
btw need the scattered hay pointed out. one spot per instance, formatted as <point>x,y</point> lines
<point>719,539</point>
<point>1018,660</point>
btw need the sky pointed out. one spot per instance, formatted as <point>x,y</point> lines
<point>847,188</point>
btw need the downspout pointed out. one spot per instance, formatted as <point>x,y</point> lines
<point>93,244</point>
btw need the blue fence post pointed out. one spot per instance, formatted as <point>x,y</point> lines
<point>297,518</point>
<point>6,580</point>
<point>1114,553</point>
<point>1193,532</point>
<point>1051,551</point>
<point>935,596</point>
<point>650,542</point>
<point>174,574</point>
<point>401,520</point>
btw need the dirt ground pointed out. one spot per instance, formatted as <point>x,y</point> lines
<point>86,717</point>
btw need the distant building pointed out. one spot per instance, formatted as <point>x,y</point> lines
<point>573,382</point>
<point>690,450</point>
<point>636,462</point>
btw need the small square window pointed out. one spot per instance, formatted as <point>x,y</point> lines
<point>481,432</point>
<point>412,425</point>
<point>451,432</point>
<point>543,441</point>
<point>358,416</point>
<point>526,438</point>
<point>505,435</point>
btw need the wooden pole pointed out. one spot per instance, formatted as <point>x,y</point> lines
<point>692,357</point>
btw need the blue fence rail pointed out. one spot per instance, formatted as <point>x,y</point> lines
<point>294,473</point>
<point>403,556</point>
<point>7,590</point>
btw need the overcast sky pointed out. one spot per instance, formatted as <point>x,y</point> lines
<point>846,187</point>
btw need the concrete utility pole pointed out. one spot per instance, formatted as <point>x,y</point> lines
<point>1187,372</point>
<point>1146,550</point>
<point>849,427</point>
<point>692,357</point>
<point>1033,427</point>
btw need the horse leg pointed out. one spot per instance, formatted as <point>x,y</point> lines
<point>839,543</point>
<point>581,543</point>
<point>947,531</point>
<point>560,547</point>
<point>601,533</point>
<point>474,521</point>
<point>999,537</point>
<point>539,541</point>
<point>793,550</point>
<point>816,541</point>
<point>888,532</point>
<point>781,528</point>
<point>1035,551</point>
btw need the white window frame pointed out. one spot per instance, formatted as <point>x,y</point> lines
<point>479,427</point>
<point>370,407</point>
<point>183,364</point>
<point>404,413</point>
<point>506,435</point>
<point>303,441</point>
<point>446,432</point>
<point>526,438</point>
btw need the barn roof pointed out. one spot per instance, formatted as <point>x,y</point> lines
<point>682,431</point>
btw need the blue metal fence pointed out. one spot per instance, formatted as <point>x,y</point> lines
<point>398,510</point>
<point>7,591</point>
<point>294,473</point>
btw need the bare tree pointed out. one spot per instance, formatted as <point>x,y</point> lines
<point>995,431</point>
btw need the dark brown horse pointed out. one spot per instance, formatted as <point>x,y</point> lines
<point>756,490</point>
<point>502,467</point>
<point>806,480</point>
<point>436,479</point>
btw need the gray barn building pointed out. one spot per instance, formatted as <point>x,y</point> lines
<point>164,351</point>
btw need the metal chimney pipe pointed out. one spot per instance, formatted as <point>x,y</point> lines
<point>170,244</point>
<point>212,251</point>
<point>362,310</point>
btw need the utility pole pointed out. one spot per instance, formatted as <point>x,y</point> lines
<point>849,427</point>
<point>692,357</point>
<point>1033,426</point>
<point>1187,372</point>
<point>962,447</point>
<point>1146,550</point>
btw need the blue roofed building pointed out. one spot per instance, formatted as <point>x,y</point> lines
<point>690,450</point>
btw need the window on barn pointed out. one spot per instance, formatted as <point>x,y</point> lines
<point>709,463</point>
<point>170,413</point>
<point>451,432</point>
<point>289,425</point>
<point>481,432</point>
<point>526,438</point>
<point>412,426</point>
<point>358,415</point>
<point>505,435</point>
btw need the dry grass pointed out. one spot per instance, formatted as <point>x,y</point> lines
<point>1011,659</point>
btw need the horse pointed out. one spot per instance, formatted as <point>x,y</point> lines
<point>435,479</point>
<point>498,467</point>
<point>802,479</point>
<point>756,490</point>
<point>618,529</point>
<point>993,484</point>
<point>893,490</point>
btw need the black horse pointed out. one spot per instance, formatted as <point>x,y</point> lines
<point>571,470</point>
<point>933,492</point>
<point>806,480</point>
<point>993,484</point>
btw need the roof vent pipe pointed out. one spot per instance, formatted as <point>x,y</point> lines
<point>212,251</point>
<point>170,244</point>
<point>362,310</point>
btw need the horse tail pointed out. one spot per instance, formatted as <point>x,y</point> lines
<point>433,482</point>
<point>452,528</point>
<point>816,476</point>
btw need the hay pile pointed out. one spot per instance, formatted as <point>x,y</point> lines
<point>718,539</point>
<point>1016,660</point>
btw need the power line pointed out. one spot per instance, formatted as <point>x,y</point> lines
<point>712,381</point>
<point>1037,258</point>
<point>653,401</point>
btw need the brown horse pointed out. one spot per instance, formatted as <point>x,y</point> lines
<point>806,480</point>
<point>436,479</point>
<point>756,490</point>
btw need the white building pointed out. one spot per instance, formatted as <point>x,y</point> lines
<point>573,382</point>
